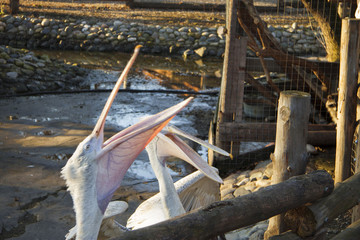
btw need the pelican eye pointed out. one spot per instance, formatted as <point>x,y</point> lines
<point>87,146</point>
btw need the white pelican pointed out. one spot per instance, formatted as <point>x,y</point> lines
<point>96,169</point>
<point>191,192</point>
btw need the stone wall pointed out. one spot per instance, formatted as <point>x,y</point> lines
<point>71,34</point>
<point>21,71</point>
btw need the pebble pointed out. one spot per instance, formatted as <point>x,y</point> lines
<point>20,31</point>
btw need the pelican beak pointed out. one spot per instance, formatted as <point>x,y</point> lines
<point>120,151</point>
<point>99,127</point>
<point>171,145</point>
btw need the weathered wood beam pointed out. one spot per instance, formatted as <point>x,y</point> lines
<point>244,160</point>
<point>349,65</point>
<point>319,134</point>
<point>225,216</point>
<point>356,210</point>
<point>232,82</point>
<point>180,5</point>
<point>307,220</point>
<point>272,99</point>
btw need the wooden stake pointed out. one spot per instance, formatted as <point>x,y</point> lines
<point>349,61</point>
<point>232,83</point>
<point>290,156</point>
<point>356,209</point>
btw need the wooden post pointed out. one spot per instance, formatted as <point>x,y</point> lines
<point>349,61</point>
<point>290,156</point>
<point>232,83</point>
<point>356,209</point>
<point>14,6</point>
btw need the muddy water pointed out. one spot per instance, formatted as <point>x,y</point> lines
<point>38,135</point>
<point>171,73</point>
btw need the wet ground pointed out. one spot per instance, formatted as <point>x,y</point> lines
<point>39,133</point>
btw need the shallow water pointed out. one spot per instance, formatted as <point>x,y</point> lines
<point>170,73</point>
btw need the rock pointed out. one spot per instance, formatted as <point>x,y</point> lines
<point>250,186</point>
<point>183,29</point>
<point>12,75</point>
<point>117,23</point>
<point>241,191</point>
<point>221,31</point>
<point>19,63</point>
<point>263,182</point>
<point>230,180</point>
<point>256,174</point>
<point>45,22</point>
<point>132,39</point>
<point>263,164</point>
<point>226,191</point>
<point>243,182</point>
<point>200,51</point>
<point>187,53</point>
<point>10,20</point>
<point>269,170</point>
<point>227,197</point>
<point>296,36</point>
<point>286,34</point>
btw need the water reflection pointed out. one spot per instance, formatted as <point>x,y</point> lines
<point>172,73</point>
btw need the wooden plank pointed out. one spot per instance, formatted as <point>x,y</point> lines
<point>232,83</point>
<point>262,89</point>
<point>356,210</point>
<point>244,160</point>
<point>349,65</point>
<point>190,5</point>
<point>319,134</point>
<point>175,5</point>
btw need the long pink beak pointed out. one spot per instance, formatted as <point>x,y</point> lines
<point>99,127</point>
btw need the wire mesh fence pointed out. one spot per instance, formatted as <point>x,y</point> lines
<point>295,50</point>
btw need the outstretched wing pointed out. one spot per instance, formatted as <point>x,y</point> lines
<point>196,190</point>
